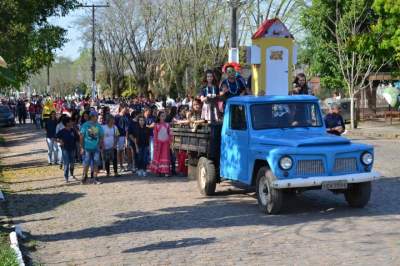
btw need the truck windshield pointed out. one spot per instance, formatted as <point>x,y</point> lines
<point>285,115</point>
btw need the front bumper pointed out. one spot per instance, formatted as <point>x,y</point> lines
<point>317,180</point>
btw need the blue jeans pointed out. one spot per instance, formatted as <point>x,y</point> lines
<point>142,158</point>
<point>91,158</point>
<point>52,150</point>
<point>68,161</point>
<point>151,148</point>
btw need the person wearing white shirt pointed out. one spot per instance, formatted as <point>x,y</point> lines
<point>111,135</point>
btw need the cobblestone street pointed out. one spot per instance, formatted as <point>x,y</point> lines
<point>165,221</point>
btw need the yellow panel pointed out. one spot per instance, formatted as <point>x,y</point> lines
<point>259,80</point>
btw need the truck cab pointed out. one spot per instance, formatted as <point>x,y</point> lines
<point>279,145</point>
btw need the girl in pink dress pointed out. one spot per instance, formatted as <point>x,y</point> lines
<point>161,163</point>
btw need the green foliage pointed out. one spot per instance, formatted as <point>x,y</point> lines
<point>130,92</point>
<point>332,41</point>
<point>388,26</point>
<point>26,38</point>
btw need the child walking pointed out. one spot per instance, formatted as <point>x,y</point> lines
<point>142,142</point>
<point>67,138</point>
<point>161,163</point>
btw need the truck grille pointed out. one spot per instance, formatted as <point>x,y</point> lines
<point>345,165</point>
<point>310,167</point>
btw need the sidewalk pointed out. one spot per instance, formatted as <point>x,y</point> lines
<point>376,129</point>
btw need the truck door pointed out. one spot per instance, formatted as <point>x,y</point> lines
<point>234,144</point>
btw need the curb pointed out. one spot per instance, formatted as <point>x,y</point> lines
<point>14,238</point>
<point>374,135</point>
<point>15,246</point>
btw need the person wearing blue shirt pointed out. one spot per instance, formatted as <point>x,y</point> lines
<point>91,140</point>
<point>234,84</point>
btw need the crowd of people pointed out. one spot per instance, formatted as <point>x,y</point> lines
<point>132,134</point>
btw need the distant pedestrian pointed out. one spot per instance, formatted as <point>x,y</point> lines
<point>21,112</point>
<point>67,138</point>
<point>50,127</point>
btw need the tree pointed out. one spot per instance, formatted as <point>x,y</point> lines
<point>26,38</point>
<point>387,25</point>
<point>343,43</point>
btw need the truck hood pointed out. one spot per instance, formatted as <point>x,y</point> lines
<point>299,139</point>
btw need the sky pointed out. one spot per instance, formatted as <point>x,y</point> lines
<point>75,43</point>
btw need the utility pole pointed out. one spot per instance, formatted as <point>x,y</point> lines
<point>258,14</point>
<point>93,67</point>
<point>234,51</point>
<point>48,70</point>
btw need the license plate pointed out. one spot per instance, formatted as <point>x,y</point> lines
<point>340,184</point>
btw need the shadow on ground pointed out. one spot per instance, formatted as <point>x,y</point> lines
<point>237,211</point>
<point>27,203</point>
<point>182,243</point>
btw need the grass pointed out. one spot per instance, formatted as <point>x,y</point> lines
<point>7,254</point>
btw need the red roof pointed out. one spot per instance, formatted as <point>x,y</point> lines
<point>265,26</point>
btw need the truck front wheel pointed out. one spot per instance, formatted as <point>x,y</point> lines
<point>269,199</point>
<point>206,177</point>
<point>358,195</point>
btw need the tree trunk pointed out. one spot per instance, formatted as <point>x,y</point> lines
<point>352,116</point>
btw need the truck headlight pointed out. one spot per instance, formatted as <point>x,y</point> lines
<point>286,163</point>
<point>367,158</point>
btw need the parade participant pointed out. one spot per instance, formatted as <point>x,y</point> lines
<point>300,85</point>
<point>142,142</point>
<point>31,110</point>
<point>131,133</point>
<point>84,118</point>
<point>334,121</point>
<point>162,141</point>
<point>50,127</point>
<point>38,115</point>
<point>111,135</point>
<point>60,126</point>
<point>67,138</point>
<point>181,116</point>
<point>232,85</point>
<point>122,123</point>
<point>91,140</point>
<point>150,123</point>
<point>194,116</point>
<point>208,97</point>
<point>47,109</point>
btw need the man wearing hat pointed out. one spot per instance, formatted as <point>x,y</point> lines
<point>91,142</point>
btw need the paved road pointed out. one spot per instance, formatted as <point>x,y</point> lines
<point>164,221</point>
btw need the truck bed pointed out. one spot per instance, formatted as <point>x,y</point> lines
<point>205,141</point>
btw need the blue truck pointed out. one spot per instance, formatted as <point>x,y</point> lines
<point>279,145</point>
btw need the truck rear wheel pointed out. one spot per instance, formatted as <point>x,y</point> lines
<point>358,195</point>
<point>206,177</point>
<point>269,199</point>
